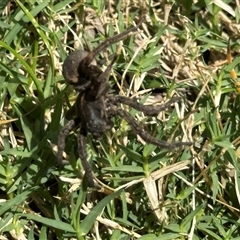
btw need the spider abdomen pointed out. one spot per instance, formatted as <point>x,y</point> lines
<point>72,72</point>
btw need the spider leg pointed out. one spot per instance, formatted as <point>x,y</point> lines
<point>145,135</point>
<point>61,140</point>
<point>71,112</point>
<point>103,78</point>
<point>146,109</point>
<point>111,40</point>
<point>82,150</point>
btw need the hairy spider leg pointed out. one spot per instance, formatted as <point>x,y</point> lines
<point>61,139</point>
<point>103,80</point>
<point>146,109</point>
<point>145,135</point>
<point>71,112</point>
<point>82,151</point>
<point>81,147</point>
<point>109,41</point>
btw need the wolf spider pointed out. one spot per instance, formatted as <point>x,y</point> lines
<point>95,107</point>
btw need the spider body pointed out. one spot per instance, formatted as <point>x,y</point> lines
<point>93,113</point>
<point>95,107</point>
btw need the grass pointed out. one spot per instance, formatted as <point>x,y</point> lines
<point>150,193</point>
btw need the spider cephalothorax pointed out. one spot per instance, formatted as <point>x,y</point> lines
<point>95,107</point>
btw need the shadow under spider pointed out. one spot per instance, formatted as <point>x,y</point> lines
<point>95,107</point>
